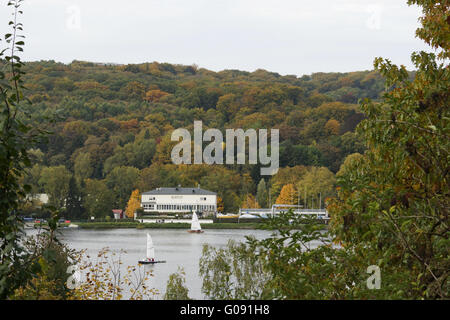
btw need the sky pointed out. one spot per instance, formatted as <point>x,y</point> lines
<point>294,37</point>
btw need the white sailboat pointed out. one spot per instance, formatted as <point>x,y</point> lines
<point>150,259</point>
<point>195,224</point>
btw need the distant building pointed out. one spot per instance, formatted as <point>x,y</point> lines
<point>283,208</point>
<point>118,213</point>
<point>179,200</point>
<point>42,198</point>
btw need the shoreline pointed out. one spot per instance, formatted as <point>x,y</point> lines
<point>174,225</point>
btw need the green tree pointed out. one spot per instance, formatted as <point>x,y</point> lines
<point>261,194</point>
<point>56,184</point>
<point>16,137</point>
<point>32,177</point>
<point>176,287</point>
<point>122,180</point>
<point>233,272</point>
<point>393,202</point>
<point>98,199</point>
<point>302,263</point>
<point>82,167</point>
<point>318,183</point>
<point>347,164</point>
<point>49,263</point>
<point>74,201</point>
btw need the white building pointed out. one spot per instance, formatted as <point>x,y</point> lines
<point>41,197</point>
<point>178,200</point>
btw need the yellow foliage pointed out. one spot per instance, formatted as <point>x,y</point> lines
<point>220,205</point>
<point>155,95</point>
<point>333,127</point>
<point>133,204</point>
<point>288,195</point>
<point>250,202</point>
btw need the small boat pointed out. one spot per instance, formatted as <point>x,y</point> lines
<point>150,259</point>
<point>195,224</point>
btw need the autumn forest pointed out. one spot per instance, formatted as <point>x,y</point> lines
<point>111,128</point>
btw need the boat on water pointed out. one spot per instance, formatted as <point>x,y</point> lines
<point>195,224</point>
<point>150,259</point>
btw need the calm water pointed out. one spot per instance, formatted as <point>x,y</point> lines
<point>178,247</point>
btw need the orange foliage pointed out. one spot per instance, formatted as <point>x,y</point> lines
<point>288,195</point>
<point>133,204</point>
<point>333,126</point>
<point>250,202</point>
<point>154,95</point>
<point>130,124</point>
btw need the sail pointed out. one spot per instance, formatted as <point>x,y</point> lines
<point>150,248</point>
<point>195,224</point>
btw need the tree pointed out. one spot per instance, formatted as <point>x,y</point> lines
<point>220,206</point>
<point>250,202</point>
<point>233,272</point>
<point>347,164</point>
<point>224,182</point>
<point>393,202</point>
<point>98,199</point>
<point>288,195</point>
<point>32,177</point>
<point>50,261</point>
<point>121,180</point>
<point>317,183</point>
<point>134,90</point>
<point>16,137</point>
<point>164,149</point>
<point>83,167</point>
<point>74,202</point>
<point>133,204</point>
<point>176,287</point>
<point>138,154</point>
<point>154,95</point>
<point>261,194</point>
<point>228,105</point>
<point>435,27</point>
<point>332,127</point>
<point>287,175</point>
<point>301,263</point>
<point>106,280</point>
<point>56,184</point>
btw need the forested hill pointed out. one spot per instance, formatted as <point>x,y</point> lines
<point>113,126</point>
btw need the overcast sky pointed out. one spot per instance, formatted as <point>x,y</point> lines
<point>285,36</point>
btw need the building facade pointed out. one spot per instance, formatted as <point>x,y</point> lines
<point>179,200</point>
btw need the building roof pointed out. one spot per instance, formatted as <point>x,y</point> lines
<point>180,191</point>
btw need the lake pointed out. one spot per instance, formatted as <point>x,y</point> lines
<point>177,247</point>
